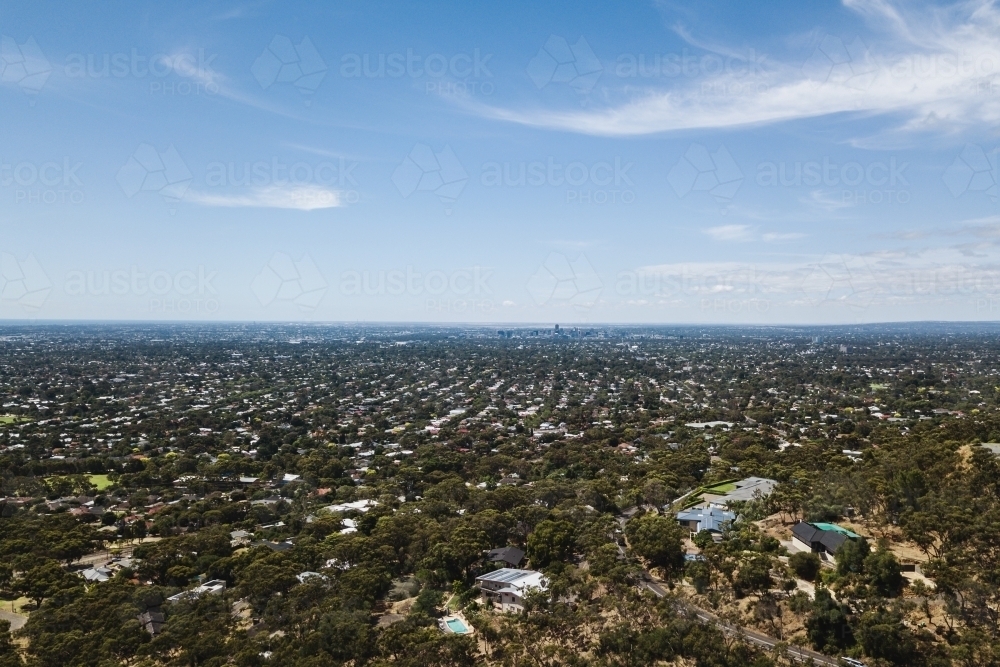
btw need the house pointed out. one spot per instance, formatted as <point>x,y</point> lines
<point>992,447</point>
<point>239,538</point>
<point>744,490</point>
<point>274,546</point>
<point>821,538</point>
<point>357,506</point>
<point>97,574</point>
<point>508,587</point>
<point>212,586</point>
<point>152,617</point>
<point>152,620</point>
<point>303,577</point>
<point>512,556</point>
<point>711,519</point>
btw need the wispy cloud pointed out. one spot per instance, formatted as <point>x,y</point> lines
<point>776,237</point>
<point>931,68</point>
<point>729,232</point>
<point>300,198</point>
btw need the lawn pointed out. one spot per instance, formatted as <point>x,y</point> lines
<point>100,481</point>
<point>12,419</point>
<point>724,487</point>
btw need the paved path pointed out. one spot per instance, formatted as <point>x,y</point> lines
<point>794,652</point>
<point>17,621</point>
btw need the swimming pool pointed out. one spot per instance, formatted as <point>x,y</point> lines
<point>456,626</point>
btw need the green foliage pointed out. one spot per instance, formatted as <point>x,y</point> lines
<point>883,573</point>
<point>805,565</point>
<point>428,603</point>
<point>851,556</point>
<point>754,576</point>
<point>551,541</point>
<point>657,539</point>
<point>827,625</point>
<point>44,580</point>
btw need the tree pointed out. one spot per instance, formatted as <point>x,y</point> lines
<point>882,634</point>
<point>851,556</point>
<point>43,581</point>
<point>658,540</point>
<point>551,541</point>
<point>805,565</point>
<point>6,575</point>
<point>754,576</point>
<point>883,573</point>
<point>8,651</point>
<point>827,624</point>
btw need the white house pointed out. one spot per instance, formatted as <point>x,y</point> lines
<point>507,587</point>
<point>211,587</point>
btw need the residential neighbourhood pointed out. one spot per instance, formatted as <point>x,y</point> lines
<point>189,481</point>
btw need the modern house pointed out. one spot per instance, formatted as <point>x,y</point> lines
<point>211,587</point>
<point>744,490</point>
<point>824,539</point>
<point>512,556</point>
<point>711,519</point>
<point>507,587</point>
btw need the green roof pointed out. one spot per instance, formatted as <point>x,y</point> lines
<point>835,527</point>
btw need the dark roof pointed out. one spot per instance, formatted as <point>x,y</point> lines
<point>511,555</point>
<point>830,540</point>
<point>805,532</point>
<point>152,620</point>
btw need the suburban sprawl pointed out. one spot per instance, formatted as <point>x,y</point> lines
<point>305,495</point>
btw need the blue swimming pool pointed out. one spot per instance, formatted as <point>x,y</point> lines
<point>456,626</point>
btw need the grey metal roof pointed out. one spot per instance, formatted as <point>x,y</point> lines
<point>505,575</point>
<point>708,518</point>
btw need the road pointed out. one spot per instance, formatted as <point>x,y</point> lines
<point>794,652</point>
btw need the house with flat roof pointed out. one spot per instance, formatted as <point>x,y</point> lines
<point>210,587</point>
<point>824,539</point>
<point>506,588</point>
<point>743,490</point>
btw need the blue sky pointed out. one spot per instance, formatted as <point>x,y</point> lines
<point>475,162</point>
